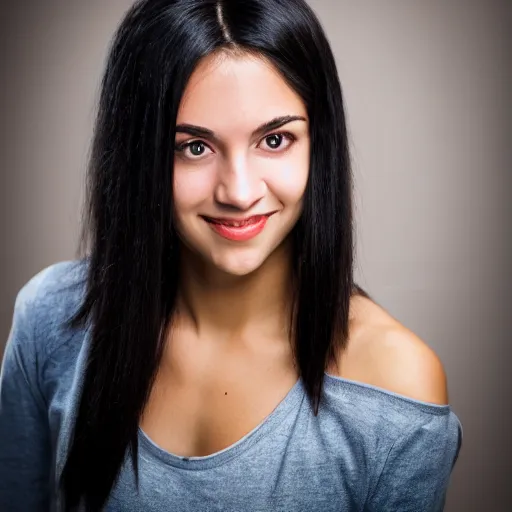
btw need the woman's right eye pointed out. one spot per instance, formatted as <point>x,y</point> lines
<point>192,150</point>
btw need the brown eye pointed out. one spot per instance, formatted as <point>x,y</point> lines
<point>192,150</point>
<point>277,142</point>
<point>274,141</point>
<point>196,148</point>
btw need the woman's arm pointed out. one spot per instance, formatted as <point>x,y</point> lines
<point>25,446</point>
<point>418,466</point>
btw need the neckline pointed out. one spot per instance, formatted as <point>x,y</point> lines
<point>383,393</point>
<point>275,418</point>
<point>289,403</point>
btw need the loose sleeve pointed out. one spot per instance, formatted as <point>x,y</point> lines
<point>418,466</point>
<point>24,431</point>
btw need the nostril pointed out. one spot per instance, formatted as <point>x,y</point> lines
<point>239,190</point>
<point>236,204</point>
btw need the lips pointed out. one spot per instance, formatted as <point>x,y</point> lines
<point>234,222</point>
<point>238,230</point>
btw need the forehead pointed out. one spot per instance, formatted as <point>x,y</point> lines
<point>228,93</point>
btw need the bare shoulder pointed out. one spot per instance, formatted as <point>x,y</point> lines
<point>383,352</point>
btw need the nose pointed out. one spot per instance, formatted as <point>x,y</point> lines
<point>239,187</point>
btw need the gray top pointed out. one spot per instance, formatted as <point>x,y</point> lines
<point>367,450</point>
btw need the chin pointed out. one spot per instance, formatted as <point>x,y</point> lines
<point>239,265</point>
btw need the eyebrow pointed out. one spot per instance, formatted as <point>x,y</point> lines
<point>205,133</point>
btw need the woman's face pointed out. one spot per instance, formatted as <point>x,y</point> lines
<point>241,162</point>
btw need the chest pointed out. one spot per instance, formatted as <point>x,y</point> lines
<point>202,403</point>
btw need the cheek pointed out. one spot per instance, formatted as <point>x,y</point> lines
<point>192,187</point>
<point>288,182</point>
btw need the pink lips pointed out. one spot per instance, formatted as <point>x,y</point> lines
<point>238,230</point>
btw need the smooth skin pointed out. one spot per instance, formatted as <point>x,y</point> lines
<point>227,362</point>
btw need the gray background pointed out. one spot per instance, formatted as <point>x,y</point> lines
<point>427,86</point>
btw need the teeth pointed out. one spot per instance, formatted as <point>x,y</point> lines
<point>234,224</point>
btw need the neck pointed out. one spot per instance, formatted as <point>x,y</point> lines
<point>233,307</point>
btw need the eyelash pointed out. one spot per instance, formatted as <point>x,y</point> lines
<point>180,148</point>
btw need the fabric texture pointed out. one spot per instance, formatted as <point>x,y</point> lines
<point>368,449</point>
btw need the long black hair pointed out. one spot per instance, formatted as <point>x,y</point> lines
<point>129,232</point>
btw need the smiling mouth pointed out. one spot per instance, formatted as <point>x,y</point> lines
<point>237,223</point>
<point>238,230</point>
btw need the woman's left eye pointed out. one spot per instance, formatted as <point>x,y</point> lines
<point>278,141</point>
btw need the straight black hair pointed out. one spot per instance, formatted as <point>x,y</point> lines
<point>129,233</point>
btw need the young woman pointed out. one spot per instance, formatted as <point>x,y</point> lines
<point>211,350</point>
